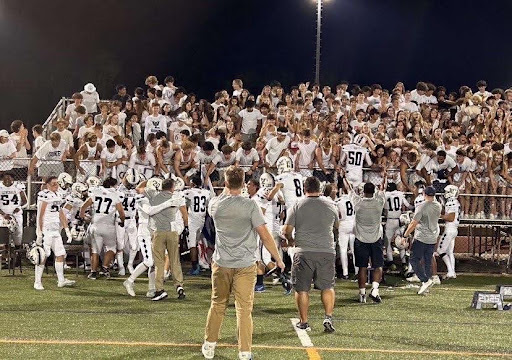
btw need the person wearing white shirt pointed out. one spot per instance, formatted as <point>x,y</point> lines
<point>250,122</point>
<point>64,133</point>
<point>37,133</point>
<point>408,104</point>
<point>418,94</point>
<point>155,122</point>
<point>53,152</point>
<point>247,157</point>
<point>276,147</point>
<point>7,151</point>
<point>71,113</point>
<point>306,154</point>
<point>482,92</point>
<point>91,98</point>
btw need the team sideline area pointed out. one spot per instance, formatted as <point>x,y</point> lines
<point>97,320</point>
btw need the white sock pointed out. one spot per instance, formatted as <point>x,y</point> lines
<point>137,272</point>
<point>447,261</point>
<point>120,260</point>
<point>87,257</point>
<point>362,291</point>
<point>131,257</point>
<point>38,273</point>
<point>452,260</point>
<point>59,269</point>
<point>151,278</point>
<point>375,288</point>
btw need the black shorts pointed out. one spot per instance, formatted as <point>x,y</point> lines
<point>313,266</point>
<point>366,251</point>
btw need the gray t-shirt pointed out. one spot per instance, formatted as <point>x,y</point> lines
<point>313,219</point>
<point>427,216</point>
<point>235,219</point>
<point>368,216</point>
<point>162,220</point>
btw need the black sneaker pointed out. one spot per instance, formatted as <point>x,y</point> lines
<point>376,298</point>
<point>159,295</point>
<point>92,276</point>
<point>181,293</point>
<point>344,277</point>
<point>328,327</point>
<point>303,326</point>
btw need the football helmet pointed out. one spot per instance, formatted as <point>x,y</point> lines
<point>11,224</point>
<point>132,177</point>
<point>179,184</point>
<point>155,183</point>
<point>78,233</point>
<point>37,255</point>
<point>266,181</point>
<point>359,140</point>
<point>245,192</point>
<point>65,180</point>
<point>405,218</point>
<point>93,181</point>
<point>451,191</point>
<point>284,164</point>
<point>79,190</point>
<point>401,242</point>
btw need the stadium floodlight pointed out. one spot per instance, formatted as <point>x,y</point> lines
<point>319,4</point>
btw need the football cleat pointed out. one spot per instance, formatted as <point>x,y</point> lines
<point>128,285</point>
<point>181,293</point>
<point>38,286</point>
<point>150,293</point>
<point>362,298</point>
<point>92,276</point>
<point>244,355</point>
<point>159,295</point>
<point>121,272</point>
<point>65,282</point>
<point>413,278</point>
<point>259,288</point>
<point>436,280</point>
<point>375,297</point>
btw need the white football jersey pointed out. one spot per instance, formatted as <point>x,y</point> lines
<point>394,202</point>
<point>346,211</point>
<point>63,194</point>
<point>198,203</point>
<point>293,187</point>
<point>420,199</point>
<point>73,215</point>
<point>355,158</point>
<point>452,206</point>
<point>10,198</point>
<point>143,217</point>
<point>104,205</point>
<point>51,220</point>
<point>128,199</point>
<point>261,199</point>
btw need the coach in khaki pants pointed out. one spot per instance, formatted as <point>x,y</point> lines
<point>237,220</point>
<point>165,238</point>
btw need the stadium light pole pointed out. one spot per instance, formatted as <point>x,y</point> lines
<point>318,32</point>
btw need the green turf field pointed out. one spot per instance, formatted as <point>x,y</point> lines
<point>97,320</point>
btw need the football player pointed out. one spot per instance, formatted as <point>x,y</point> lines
<point>197,202</point>
<point>395,201</point>
<point>12,200</point>
<point>346,234</point>
<point>65,181</point>
<point>128,232</point>
<point>289,182</point>
<point>77,225</point>
<point>398,237</point>
<point>451,218</point>
<point>51,220</point>
<point>106,202</point>
<point>353,157</point>
<point>144,211</point>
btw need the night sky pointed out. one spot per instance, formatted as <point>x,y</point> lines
<point>52,50</point>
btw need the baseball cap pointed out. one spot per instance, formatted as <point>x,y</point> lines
<point>4,133</point>
<point>294,145</point>
<point>430,191</point>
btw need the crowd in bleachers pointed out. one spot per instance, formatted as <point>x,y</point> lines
<point>422,134</point>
